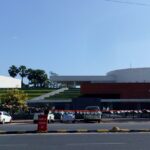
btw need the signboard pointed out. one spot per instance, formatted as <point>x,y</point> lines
<point>42,123</point>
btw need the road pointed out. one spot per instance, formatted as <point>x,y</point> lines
<point>70,126</point>
<point>107,141</point>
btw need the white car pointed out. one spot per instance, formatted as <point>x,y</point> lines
<point>93,113</point>
<point>50,117</point>
<point>68,117</point>
<point>5,117</point>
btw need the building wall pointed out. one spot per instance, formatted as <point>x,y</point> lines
<point>67,79</point>
<point>8,82</point>
<point>81,103</point>
<point>131,75</point>
<point>122,90</point>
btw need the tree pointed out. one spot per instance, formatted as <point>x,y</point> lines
<point>41,77</point>
<point>22,73</point>
<point>31,75</point>
<point>37,78</point>
<point>13,71</point>
<point>14,100</point>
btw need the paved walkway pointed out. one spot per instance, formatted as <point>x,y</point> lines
<point>42,97</point>
<point>104,120</point>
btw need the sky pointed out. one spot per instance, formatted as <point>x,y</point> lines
<point>74,37</point>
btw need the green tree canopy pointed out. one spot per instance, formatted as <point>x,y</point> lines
<point>22,73</point>
<point>38,78</point>
<point>14,99</point>
<point>13,71</point>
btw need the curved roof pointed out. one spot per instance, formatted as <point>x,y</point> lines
<point>129,75</point>
<point>129,70</point>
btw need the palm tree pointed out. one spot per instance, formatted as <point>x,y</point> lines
<point>31,75</point>
<point>37,78</point>
<point>22,73</point>
<point>13,71</point>
<point>41,77</point>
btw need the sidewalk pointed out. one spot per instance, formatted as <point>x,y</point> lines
<point>104,120</point>
<point>114,128</point>
<point>121,120</point>
<point>22,121</point>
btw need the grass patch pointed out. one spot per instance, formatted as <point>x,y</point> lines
<point>31,92</point>
<point>67,94</point>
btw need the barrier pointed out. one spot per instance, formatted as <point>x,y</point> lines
<point>42,123</point>
<point>103,111</point>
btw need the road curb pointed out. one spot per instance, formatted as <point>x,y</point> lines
<point>17,132</point>
<point>77,131</point>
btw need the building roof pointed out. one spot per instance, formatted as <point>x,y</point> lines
<point>130,75</point>
<point>82,78</point>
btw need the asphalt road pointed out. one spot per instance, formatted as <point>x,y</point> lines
<point>70,126</point>
<point>107,141</point>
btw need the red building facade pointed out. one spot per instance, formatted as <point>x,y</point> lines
<point>117,90</point>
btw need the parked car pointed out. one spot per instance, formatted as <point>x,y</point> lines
<point>50,117</point>
<point>5,117</point>
<point>68,117</point>
<point>93,113</point>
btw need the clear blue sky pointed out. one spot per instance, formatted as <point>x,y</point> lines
<point>74,37</point>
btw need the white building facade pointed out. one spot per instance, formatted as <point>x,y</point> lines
<point>130,75</point>
<point>9,82</point>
